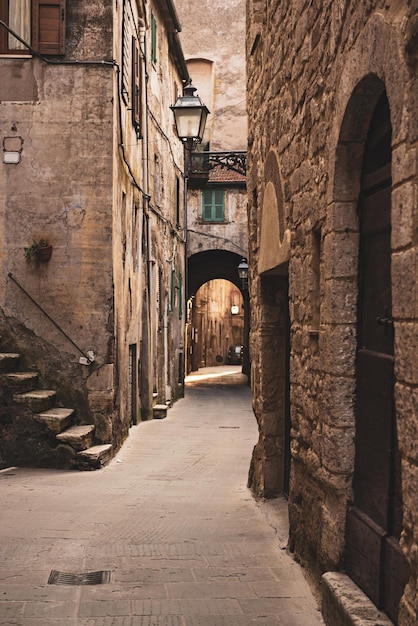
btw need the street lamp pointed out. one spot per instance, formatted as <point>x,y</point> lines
<point>190,117</point>
<point>243,273</point>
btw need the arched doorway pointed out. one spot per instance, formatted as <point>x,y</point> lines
<point>374,521</point>
<point>211,265</point>
<point>215,326</point>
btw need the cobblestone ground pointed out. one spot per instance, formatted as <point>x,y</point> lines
<point>170,519</point>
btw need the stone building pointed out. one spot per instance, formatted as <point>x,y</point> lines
<point>332,190</point>
<point>216,324</point>
<point>90,165</point>
<point>217,236</point>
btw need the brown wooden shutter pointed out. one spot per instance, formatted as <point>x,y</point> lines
<point>49,26</point>
<point>136,87</point>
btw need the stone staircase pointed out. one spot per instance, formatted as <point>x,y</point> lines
<point>75,443</point>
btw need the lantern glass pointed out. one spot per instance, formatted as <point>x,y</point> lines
<point>190,123</point>
<point>243,270</point>
<point>190,116</point>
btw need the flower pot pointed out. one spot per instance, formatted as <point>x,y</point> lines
<point>44,253</point>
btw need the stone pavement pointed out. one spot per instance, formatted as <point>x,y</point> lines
<point>170,519</point>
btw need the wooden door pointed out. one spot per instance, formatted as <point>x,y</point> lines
<point>373,557</point>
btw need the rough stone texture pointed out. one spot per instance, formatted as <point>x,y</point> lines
<point>315,72</point>
<point>87,182</point>
<point>352,606</point>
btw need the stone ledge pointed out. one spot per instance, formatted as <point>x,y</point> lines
<point>343,603</point>
<point>159,411</point>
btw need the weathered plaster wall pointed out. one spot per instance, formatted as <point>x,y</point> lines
<point>61,191</point>
<point>219,37</point>
<point>85,182</point>
<point>228,235</point>
<point>314,74</point>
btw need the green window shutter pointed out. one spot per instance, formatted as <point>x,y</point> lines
<point>172,288</point>
<point>213,205</point>
<point>180,295</point>
<point>153,38</point>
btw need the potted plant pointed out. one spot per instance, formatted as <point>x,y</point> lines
<point>40,250</point>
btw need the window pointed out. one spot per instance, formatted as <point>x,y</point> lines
<point>153,39</point>
<point>213,205</point>
<point>178,204</point>
<point>136,88</point>
<point>40,23</point>
<point>127,28</point>
<point>157,181</point>
<point>172,290</point>
<point>180,295</point>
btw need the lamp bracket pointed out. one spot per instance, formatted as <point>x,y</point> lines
<point>202,162</point>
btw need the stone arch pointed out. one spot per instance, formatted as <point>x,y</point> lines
<point>208,265</point>
<point>338,314</point>
<point>270,465</point>
<point>342,234</point>
<point>363,76</point>
<point>274,236</point>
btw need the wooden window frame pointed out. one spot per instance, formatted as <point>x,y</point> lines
<point>48,26</point>
<point>136,87</point>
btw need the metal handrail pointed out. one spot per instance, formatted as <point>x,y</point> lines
<point>10,275</point>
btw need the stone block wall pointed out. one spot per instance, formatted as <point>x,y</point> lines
<point>315,73</point>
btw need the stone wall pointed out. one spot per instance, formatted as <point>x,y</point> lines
<point>315,74</point>
<point>89,126</point>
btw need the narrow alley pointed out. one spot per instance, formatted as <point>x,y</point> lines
<point>170,523</point>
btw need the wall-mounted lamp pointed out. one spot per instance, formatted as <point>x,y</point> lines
<point>190,116</point>
<point>12,149</point>
<point>243,273</point>
<point>11,158</point>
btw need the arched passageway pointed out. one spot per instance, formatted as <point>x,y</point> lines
<point>208,266</point>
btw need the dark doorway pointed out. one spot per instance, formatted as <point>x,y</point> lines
<point>133,385</point>
<point>373,557</point>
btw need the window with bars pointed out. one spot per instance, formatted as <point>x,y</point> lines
<point>40,23</point>
<point>213,205</point>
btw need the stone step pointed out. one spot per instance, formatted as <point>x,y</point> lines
<point>38,400</point>
<point>56,419</point>
<point>95,457</point>
<point>9,361</point>
<point>21,381</point>
<point>78,437</point>
<point>343,603</point>
<point>159,411</point>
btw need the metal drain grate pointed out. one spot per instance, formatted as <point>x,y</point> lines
<point>86,578</point>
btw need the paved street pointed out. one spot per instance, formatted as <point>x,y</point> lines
<point>170,519</point>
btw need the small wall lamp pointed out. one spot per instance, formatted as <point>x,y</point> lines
<point>12,149</point>
<point>243,273</point>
